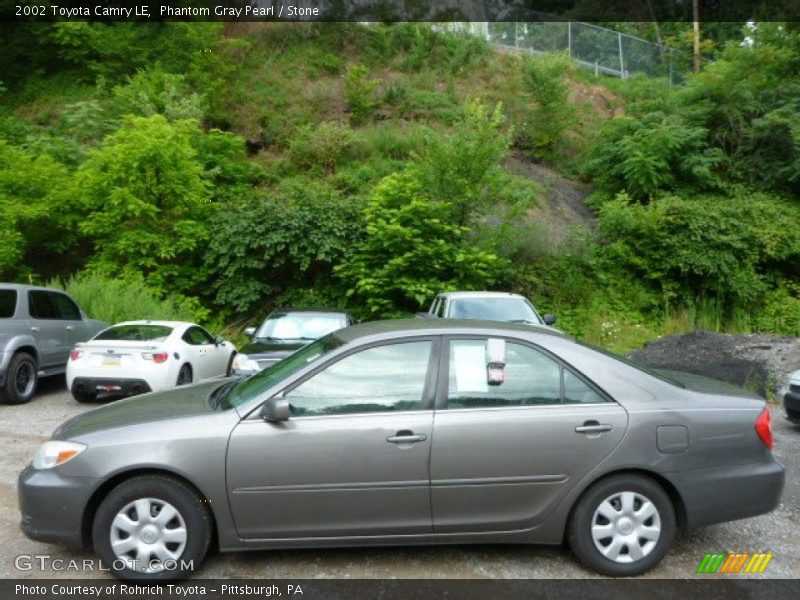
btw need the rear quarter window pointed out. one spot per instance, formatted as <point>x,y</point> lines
<point>135,333</point>
<point>8,303</point>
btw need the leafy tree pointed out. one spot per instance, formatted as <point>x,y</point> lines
<point>643,156</point>
<point>413,249</point>
<point>36,226</point>
<point>462,167</point>
<point>266,246</point>
<point>154,92</point>
<point>146,202</point>
<point>544,79</point>
<point>358,90</point>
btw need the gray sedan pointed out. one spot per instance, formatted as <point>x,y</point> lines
<point>408,432</point>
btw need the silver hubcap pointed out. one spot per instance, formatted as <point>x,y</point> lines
<point>148,534</point>
<point>626,527</point>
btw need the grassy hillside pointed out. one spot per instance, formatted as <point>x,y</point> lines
<point>233,168</point>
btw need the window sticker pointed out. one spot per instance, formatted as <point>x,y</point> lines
<point>470,363</point>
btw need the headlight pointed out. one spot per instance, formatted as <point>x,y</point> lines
<point>244,364</point>
<point>54,453</point>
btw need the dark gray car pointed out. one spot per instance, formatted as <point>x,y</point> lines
<point>408,432</point>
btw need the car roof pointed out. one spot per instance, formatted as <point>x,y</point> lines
<point>466,295</point>
<point>439,327</point>
<point>173,324</point>
<point>332,311</point>
<point>24,286</point>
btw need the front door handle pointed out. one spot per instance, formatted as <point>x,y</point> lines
<point>406,437</point>
<point>69,328</point>
<point>35,329</point>
<point>593,427</point>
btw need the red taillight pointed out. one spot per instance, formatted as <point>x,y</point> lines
<point>156,357</point>
<point>764,428</point>
<point>75,354</point>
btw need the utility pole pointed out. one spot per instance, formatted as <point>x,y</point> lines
<point>696,16</point>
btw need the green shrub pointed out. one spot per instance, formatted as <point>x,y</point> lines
<point>113,299</point>
<point>358,90</point>
<point>779,311</point>
<point>323,146</point>
<point>544,79</point>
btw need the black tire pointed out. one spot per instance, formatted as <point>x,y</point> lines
<point>84,397</point>
<point>22,378</point>
<point>579,528</point>
<point>191,508</point>
<point>184,375</point>
<point>229,370</point>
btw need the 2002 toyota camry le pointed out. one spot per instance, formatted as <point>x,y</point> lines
<point>408,432</point>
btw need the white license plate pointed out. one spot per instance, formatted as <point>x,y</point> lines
<point>112,360</point>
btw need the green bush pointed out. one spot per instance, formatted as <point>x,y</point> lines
<point>544,79</point>
<point>779,311</point>
<point>358,89</point>
<point>323,146</point>
<point>113,299</point>
<point>412,251</point>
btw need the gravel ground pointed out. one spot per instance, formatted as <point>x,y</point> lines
<point>23,428</point>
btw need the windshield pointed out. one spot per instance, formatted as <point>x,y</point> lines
<point>135,333</point>
<point>657,373</point>
<point>263,380</point>
<point>494,309</point>
<point>300,325</point>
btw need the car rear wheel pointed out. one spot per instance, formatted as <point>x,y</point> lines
<point>622,526</point>
<point>152,527</point>
<point>21,380</point>
<point>184,375</point>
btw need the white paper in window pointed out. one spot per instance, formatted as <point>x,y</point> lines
<point>470,363</point>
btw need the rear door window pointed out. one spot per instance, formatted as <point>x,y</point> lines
<point>42,306</point>
<point>67,309</point>
<point>8,303</point>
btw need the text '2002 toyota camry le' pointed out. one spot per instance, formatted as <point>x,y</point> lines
<point>408,432</point>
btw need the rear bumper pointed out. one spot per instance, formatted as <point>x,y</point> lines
<point>52,505</point>
<point>791,404</point>
<point>110,386</point>
<point>726,494</point>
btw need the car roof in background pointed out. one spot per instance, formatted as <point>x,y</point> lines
<point>441,326</point>
<point>467,295</point>
<point>25,286</point>
<point>326,311</point>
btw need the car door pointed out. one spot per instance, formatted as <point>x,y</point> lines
<point>353,458</point>
<point>201,352</point>
<point>75,329</point>
<point>504,453</point>
<point>47,329</point>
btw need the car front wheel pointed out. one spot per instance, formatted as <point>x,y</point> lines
<point>622,526</point>
<point>152,527</point>
<point>21,380</point>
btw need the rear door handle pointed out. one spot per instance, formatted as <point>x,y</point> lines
<point>35,329</point>
<point>406,437</point>
<point>69,328</point>
<point>593,427</point>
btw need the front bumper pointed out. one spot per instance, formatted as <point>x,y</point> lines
<point>726,494</point>
<point>52,505</point>
<point>791,404</point>
<point>110,386</point>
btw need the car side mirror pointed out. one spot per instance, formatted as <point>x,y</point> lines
<point>549,319</point>
<point>249,331</point>
<point>219,340</point>
<point>276,410</point>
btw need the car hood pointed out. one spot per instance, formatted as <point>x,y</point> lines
<point>264,348</point>
<point>184,401</point>
<point>706,385</point>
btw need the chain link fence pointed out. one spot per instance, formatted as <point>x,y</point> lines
<point>597,48</point>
